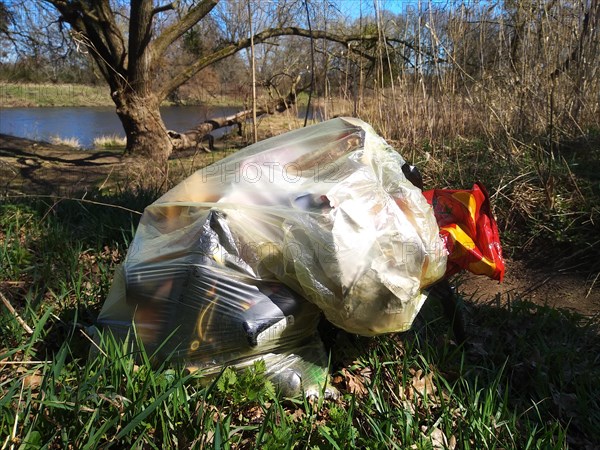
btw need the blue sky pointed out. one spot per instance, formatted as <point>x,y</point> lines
<point>353,7</point>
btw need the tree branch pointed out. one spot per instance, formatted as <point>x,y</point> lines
<point>261,37</point>
<point>178,28</point>
<point>576,53</point>
<point>163,8</point>
<point>99,28</point>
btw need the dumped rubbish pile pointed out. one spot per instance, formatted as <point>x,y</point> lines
<point>240,260</point>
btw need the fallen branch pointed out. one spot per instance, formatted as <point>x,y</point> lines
<point>193,138</point>
<point>12,310</point>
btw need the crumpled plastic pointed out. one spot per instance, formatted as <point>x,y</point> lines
<point>469,230</point>
<point>239,260</point>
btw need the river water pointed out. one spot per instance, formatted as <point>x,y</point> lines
<point>87,123</point>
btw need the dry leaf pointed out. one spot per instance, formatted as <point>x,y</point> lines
<point>423,383</point>
<point>297,415</point>
<point>439,439</point>
<point>337,380</point>
<point>32,381</point>
<point>31,378</point>
<point>452,442</point>
<point>255,414</point>
<point>366,374</point>
<point>353,383</point>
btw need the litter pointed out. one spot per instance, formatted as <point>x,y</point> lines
<point>239,261</point>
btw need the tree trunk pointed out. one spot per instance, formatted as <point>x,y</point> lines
<point>146,132</point>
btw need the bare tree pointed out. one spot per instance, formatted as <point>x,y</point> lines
<point>129,41</point>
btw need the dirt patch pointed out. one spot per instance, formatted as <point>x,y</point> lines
<point>33,167</point>
<point>543,287</point>
<point>40,168</point>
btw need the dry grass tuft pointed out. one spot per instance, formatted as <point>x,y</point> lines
<point>111,141</point>
<point>69,142</point>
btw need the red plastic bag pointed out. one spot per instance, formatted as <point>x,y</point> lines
<point>469,230</point>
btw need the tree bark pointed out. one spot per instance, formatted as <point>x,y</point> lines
<point>145,130</point>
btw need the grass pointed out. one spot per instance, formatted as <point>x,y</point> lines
<point>28,95</point>
<point>69,142</point>
<point>528,379</point>
<point>24,95</point>
<point>111,141</point>
<point>522,121</point>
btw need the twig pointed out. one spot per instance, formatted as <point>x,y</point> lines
<point>106,179</point>
<point>13,283</point>
<point>81,200</point>
<point>12,310</point>
<point>536,286</point>
<point>593,284</point>
<point>24,362</point>
<point>574,254</point>
<point>87,336</point>
<point>16,424</point>
<point>93,343</point>
<point>501,188</point>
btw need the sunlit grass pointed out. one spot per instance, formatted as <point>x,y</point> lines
<point>111,141</point>
<point>66,141</point>
<point>39,94</point>
<point>528,378</point>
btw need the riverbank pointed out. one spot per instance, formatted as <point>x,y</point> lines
<point>29,167</point>
<point>31,95</point>
<point>25,95</point>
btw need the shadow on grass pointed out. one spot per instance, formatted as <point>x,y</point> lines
<point>543,361</point>
<point>60,253</point>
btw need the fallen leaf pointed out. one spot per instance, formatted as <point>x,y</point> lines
<point>366,374</point>
<point>32,381</point>
<point>452,442</point>
<point>297,415</point>
<point>439,439</point>
<point>353,383</point>
<point>423,383</point>
<point>255,414</point>
<point>337,380</point>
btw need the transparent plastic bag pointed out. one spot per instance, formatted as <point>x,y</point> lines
<point>322,216</point>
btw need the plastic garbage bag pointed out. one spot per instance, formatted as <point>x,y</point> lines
<point>238,261</point>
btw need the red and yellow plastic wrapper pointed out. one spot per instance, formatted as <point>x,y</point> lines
<point>469,230</point>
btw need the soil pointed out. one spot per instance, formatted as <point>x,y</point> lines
<point>32,167</point>
<point>549,287</point>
